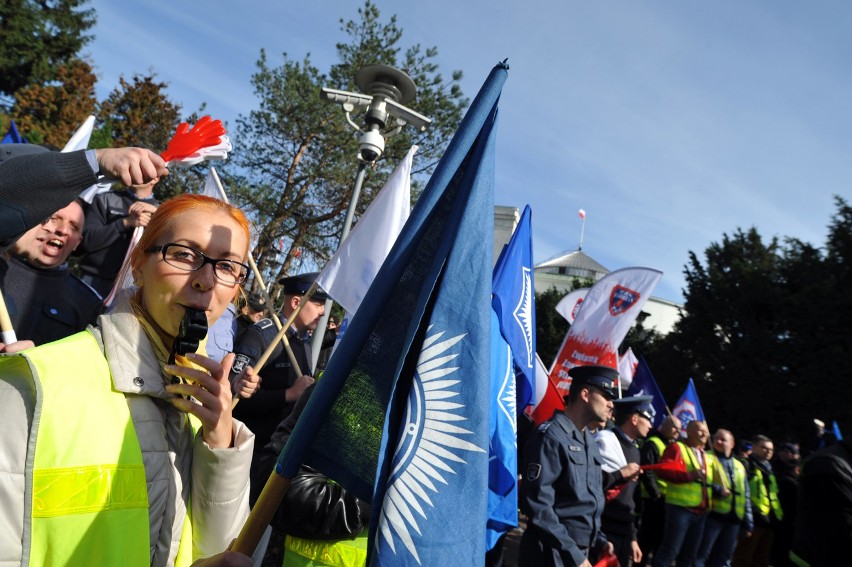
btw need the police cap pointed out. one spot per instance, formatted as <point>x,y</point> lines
<point>299,285</point>
<point>256,302</point>
<point>635,404</point>
<point>601,377</point>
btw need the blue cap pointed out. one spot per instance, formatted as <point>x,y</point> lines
<point>601,377</point>
<point>635,404</point>
<point>299,285</point>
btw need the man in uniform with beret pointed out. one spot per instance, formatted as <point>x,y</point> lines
<point>619,449</point>
<point>562,492</point>
<point>281,383</point>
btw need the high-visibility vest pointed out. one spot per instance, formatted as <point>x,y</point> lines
<point>723,504</point>
<point>89,500</point>
<point>660,446</point>
<point>765,501</point>
<point>299,552</point>
<point>689,494</point>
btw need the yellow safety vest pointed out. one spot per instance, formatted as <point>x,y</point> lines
<point>689,494</point>
<point>661,484</point>
<point>722,504</point>
<point>86,497</point>
<point>299,552</point>
<point>765,501</point>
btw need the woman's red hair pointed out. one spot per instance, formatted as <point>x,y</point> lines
<point>167,213</point>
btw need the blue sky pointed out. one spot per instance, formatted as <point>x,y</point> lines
<point>670,123</point>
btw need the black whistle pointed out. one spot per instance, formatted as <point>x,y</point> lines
<point>193,328</point>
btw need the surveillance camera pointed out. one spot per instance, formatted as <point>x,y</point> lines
<point>370,146</point>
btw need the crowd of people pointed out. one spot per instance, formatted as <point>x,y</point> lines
<point>173,436</point>
<point>700,501</point>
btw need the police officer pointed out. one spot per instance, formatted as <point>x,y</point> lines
<point>633,418</point>
<point>562,493</point>
<point>281,384</point>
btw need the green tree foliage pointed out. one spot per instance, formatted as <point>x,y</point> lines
<point>296,158</point>
<point>39,36</point>
<point>50,113</point>
<point>765,332</point>
<point>550,326</point>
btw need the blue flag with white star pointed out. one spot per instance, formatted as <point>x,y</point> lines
<point>398,417</point>
<point>512,373</point>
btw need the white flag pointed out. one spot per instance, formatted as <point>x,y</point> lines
<point>608,311</point>
<point>627,364</point>
<point>569,305</point>
<point>351,270</point>
<point>80,139</point>
<point>213,187</point>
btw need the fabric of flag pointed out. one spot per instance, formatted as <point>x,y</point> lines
<point>513,300</point>
<point>609,310</point>
<point>12,135</point>
<point>503,450</point>
<point>513,381</point>
<point>400,415</point>
<point>79,140</point>
<point>644,384</point>
<point>547,397</point>
<point>688,408</point>
<point>835,428</point>
<point>582,214</point>
<point>570,304</point>
<point>627,363</point>
<point>348,274</point>
<point>212,186</point>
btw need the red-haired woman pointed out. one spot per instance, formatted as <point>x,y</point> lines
<point>114,461</point>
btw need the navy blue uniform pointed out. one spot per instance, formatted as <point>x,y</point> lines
<point>562,495</point>
<point>268,406</point>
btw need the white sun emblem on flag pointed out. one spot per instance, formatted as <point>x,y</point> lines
<point>523,313</point>
<point>429,445</point>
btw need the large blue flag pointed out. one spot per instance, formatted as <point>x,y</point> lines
<point>688,408</point>
<point>514,303</point>
<point>400,415</point>
<point>512,373</point>
<point>644,384</point>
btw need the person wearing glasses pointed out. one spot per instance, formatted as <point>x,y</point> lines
<point>765,505</point>
<point>562,489</point>
<point>113,455</point>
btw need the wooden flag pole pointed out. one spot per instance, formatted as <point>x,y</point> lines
<point>261,514</point>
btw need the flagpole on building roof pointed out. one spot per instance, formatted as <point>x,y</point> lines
<point>387,90</point>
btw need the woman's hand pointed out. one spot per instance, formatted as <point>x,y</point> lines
<point>212,390</point>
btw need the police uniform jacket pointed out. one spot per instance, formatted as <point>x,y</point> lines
<point>268,406</point>
<point>46,305</point>
<point>562,495</point>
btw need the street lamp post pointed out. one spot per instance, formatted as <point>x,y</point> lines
<point>386,91</point>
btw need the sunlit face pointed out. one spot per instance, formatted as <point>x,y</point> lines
<point>723,442</point>
<point>643,425</point>
<point>309,316</point>
<point>600,404</point>
<point>697,434</point>
<point>166,291</point>
<point>670,428</point>
<point>49,244</point>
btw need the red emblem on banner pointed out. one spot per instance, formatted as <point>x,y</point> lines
<point>622,299</point>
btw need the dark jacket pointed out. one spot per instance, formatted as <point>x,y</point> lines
<point>105,238</point>
<point>33,187</point>
<point>268,406</point>
<point>46,305</point>
<point>562,495</point>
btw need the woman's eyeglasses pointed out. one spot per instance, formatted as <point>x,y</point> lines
<point>190,260</point>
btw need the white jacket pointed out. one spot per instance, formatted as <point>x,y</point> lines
<point>179,467</point>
